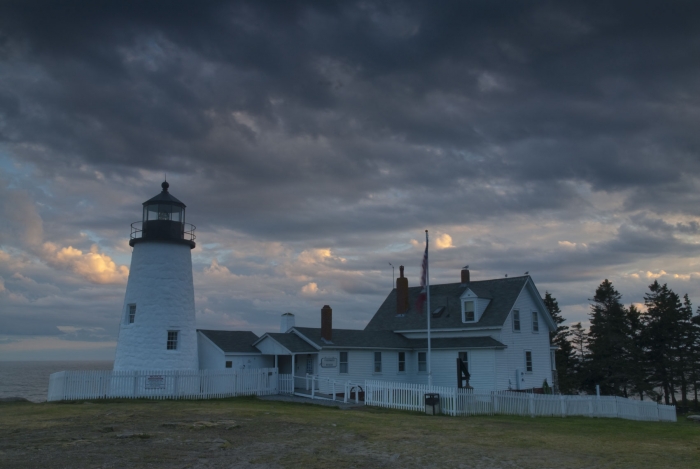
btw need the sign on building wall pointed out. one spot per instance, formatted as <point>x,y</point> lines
<point>329,362</point>
<point>155,382</point>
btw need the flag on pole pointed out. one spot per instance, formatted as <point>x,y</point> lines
<point>423,280</point>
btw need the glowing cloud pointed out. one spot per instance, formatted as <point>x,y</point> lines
<point>444,241</point>
<point>310,288</point>
<point>93,266</point>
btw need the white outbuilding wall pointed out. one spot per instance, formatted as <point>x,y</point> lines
<point>160,285</point>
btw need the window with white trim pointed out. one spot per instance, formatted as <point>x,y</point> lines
<point>172,340</point>
<point>229,364</point>
<point>343,362</point>
<point>535,322</point>
<point>377,362</point>
<point>516,320</point>
<point>422,362</point>
<point>468,314</point>
<point>402,362</point>
<point>132,314</point>
<point>528,361</point>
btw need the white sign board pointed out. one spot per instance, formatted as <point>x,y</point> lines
<point>155,382</point>
<point>329,362</point>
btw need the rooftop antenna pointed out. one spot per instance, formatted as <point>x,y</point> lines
<point>393,277</point>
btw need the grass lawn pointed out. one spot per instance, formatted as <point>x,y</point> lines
<point>247,432</point>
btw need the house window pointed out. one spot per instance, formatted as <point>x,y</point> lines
<point>465,359</point>
<point>516,320</point>
<point>468,311</point>
<point>528,361</point>
<point>344,362</point>
<point>422,362</point>
<point>535,322</point>
<point>172,340</point>
<point>377,362</point>
<point>402,362</point>
<point>229,364</point>
<point>552,357</point>
<point>132,314</point>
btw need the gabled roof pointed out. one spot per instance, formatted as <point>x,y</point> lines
<point>502,292</point>
<point>353,338</point>
<point>291,342</point>
<point>232,341</point>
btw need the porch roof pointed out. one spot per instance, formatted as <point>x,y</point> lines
<point>353,338</point>
<point>232,341</point>
<point>292,342</point>
<point>458,343</point>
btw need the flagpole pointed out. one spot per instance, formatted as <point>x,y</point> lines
<point>427,289</point>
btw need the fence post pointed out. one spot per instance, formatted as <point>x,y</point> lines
<point>563,405</point>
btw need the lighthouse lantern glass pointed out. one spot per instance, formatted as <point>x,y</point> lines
<point>163,212</point>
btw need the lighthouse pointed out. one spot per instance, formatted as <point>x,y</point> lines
<point>157,328</point>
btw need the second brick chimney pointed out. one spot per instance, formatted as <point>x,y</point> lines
<point>401,293</point>
<point>327,323</point>
<point>465,274</point>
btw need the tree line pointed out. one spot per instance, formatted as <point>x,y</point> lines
<point>652,354</point>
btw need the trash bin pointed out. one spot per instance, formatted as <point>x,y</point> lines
<point>432,403</point>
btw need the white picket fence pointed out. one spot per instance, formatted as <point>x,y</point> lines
<point>160,384</point>
<point>455,401</point>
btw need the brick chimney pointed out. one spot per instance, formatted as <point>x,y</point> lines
<point>326,323</point>
<point>465,274</point>
<point>401,293</point>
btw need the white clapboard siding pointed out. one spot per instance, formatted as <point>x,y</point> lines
<point>454,401</point>
<point>162,384</point>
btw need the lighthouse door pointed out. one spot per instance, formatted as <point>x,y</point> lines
<point>309,364</point>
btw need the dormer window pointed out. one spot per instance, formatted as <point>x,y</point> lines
<point>469,311</point>
<point>472,306</point>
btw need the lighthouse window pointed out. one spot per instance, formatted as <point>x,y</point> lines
<point>172,340</point>
<point>132,313</point>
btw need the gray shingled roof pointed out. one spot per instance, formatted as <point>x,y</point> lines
<point>232,341</point>
<point>458,343</point>
<point>503,292</point>
<point>292,342</point>
<point>352,338</point>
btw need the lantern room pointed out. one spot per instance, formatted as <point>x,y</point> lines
<point>163,220</point>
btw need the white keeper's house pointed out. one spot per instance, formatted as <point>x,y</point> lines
<point>487,334</point>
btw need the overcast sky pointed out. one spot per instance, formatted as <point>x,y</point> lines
<point>314,142</point>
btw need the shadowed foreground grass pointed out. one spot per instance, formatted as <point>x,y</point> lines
<point>247,432</point>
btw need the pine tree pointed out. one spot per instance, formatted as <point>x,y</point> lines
<point>608,345</point>
<point>564,356</point>
<point>664,338</point>
<point>638,369</point>
<point>579,341</point>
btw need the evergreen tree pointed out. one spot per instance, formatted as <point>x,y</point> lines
<point>579,341</point>
<point>564,356</point>
<point>695,363</point>
<point>608,343</point>
<point>638,369</point>
<point>665,338</point>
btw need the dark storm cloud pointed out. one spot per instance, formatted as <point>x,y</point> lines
<point>276,104</point>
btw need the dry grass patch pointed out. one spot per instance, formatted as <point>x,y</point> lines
<point>247,432</point>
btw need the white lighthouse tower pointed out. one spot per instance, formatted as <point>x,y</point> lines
<point>157,328</point>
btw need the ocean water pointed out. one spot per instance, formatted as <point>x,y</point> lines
<point>30,379</point>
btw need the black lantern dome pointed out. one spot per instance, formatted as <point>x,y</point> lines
<point>163,220</point>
